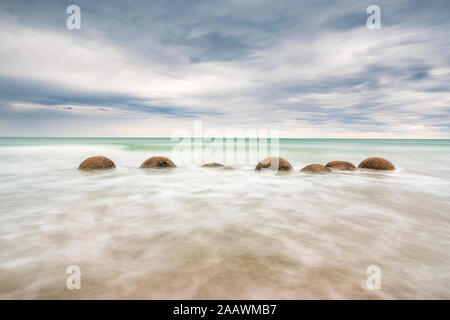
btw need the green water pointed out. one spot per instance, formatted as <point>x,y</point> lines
<point>196,233</point>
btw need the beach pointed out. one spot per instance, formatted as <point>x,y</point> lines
<point>203,233</point>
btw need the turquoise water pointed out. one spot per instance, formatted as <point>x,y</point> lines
<point>195,233</point>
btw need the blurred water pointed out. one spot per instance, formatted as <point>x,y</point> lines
<point>195,233</point>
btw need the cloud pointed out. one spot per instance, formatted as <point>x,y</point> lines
<point>308,68</point>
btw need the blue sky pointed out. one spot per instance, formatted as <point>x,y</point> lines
<point>148,68</point>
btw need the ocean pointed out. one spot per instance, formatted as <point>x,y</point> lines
<point>201,233</point>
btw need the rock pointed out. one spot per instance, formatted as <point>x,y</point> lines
<point>375,163</point>
<point>97,162</point>
<point>158,162</point>
<point>340,165</point>
<point>213,165</point>
<point>315,168</point>
<point>271,162</point>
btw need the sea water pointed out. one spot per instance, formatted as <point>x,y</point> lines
<point>201,233</point>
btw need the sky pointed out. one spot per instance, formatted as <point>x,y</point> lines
<point>149,68</point>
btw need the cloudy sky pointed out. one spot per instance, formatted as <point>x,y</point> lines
<point>147,68</point>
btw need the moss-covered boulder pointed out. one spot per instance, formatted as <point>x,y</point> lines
<point>97,162</point>
<point>340,165</point>
<point>213,165</point>
<point>274,163</point>
<point>376,163</point>
<point>158,162</point>
<point>316,169</point>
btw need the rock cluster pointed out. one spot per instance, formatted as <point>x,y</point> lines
<point>274,163</point>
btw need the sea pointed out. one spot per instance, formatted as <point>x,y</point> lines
<point>223,233</point>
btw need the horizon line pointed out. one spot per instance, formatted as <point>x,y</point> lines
<point>194,137</point>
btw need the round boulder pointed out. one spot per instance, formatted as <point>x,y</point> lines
<point>213,165</point>
<point>275,164</point>
<point>376,164</point>
<point>315,168</point>
<point>97,162</point>
<point>340,165</point>
<point>158,162</point>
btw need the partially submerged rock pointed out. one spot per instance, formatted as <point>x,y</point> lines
<point>158,162</point>
<point>274,163</point>
<point>213,165</point>
<point>315,168</point>
<point>340,165</point>
<point>97,162</point>
<point>375,163</point>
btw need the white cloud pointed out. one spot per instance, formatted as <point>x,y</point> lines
<point>327,85</point>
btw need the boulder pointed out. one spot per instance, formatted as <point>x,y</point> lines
<point>340,165</point>
<point>272,162</point>
<point>158,162</point>
<point>376,164</point>
<point>98,162</point>
<point>213,165</point>
<point>315,168</point>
